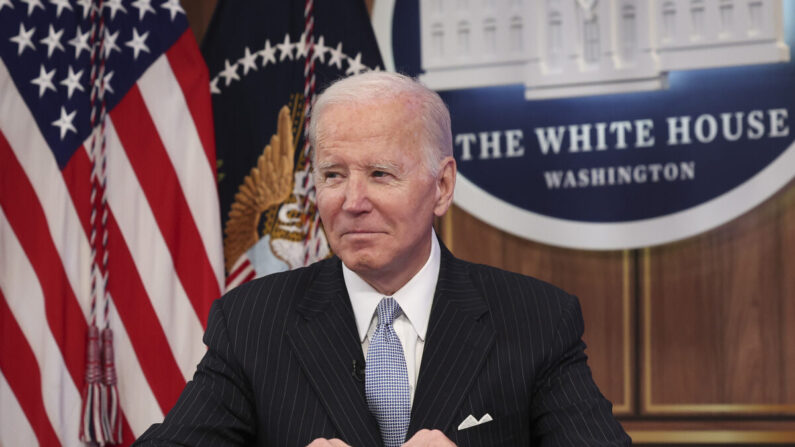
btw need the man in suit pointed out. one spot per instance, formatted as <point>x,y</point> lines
<point>393,340</point>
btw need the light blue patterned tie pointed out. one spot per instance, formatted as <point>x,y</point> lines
<point>386,381</point>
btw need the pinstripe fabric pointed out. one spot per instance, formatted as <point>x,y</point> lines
<point>281,349</point>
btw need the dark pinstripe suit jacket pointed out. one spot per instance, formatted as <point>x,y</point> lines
<point>278,371</point>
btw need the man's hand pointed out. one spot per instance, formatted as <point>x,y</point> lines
<point>321,442</point>
<point>429,438</point>
<point>423,438</point>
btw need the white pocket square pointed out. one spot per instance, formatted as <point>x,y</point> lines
<point>470,421</point>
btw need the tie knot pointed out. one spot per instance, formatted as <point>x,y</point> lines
<point>388,310</point>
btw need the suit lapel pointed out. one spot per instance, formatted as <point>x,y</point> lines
<point>325,341</point>
<point>458,341</point>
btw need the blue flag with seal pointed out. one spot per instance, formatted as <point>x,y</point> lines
<point>266,59</point>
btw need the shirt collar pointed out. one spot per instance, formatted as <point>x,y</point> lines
<point>415,297</point>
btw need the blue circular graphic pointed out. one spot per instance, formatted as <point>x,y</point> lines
<point>734,153</point>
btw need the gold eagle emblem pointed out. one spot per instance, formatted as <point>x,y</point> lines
<point>269,184</point>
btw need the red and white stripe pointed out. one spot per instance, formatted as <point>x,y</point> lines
<point>241,272</point>
<point>165,254</point>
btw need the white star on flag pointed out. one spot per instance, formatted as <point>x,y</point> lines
<point>248,61</point>
<point>143,6</point>
<point>214,86</point>
<point>110,43</point>
<point>65,122</point>
<point>268,53</point>
<point>106,82</point>
<point>114,6</point>
<point>286,48</point>
<point>53,41</point>
<point>44,81</point>
<point>6,3</point>
<point>138,43</point>
<point>355,65</point>
<point>301,47</point>
<point>72,82</point>
<point>336,56</point>
<point>229,73</point>
<point>80,42</point>
<point>23,39</point>
<point>60,4</point>
<point>320,50</point>
<point>32,4</point>
<point>86,5</point>
<point>173,7</point>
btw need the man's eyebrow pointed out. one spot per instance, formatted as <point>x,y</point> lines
<point>384,166</point>
<point>323,165</point>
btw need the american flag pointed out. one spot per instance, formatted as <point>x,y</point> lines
<point>165,262</point>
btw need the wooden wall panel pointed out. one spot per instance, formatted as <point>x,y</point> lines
<point>786,271</point>
<point>714,431</point>
<point>604,282</point>
<point>716,318</point>
<point>199,13</point>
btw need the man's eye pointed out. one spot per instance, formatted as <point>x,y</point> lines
<point>380,174</point>
<point>330,175</point>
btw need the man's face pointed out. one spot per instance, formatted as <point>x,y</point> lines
<point>376,198</point>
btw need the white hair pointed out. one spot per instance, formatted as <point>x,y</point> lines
<point>380,86</point>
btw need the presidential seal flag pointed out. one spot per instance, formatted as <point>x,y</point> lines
<point>266,59</point>
<point>110,237</point>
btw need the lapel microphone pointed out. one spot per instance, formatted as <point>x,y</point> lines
<point>358,371</point>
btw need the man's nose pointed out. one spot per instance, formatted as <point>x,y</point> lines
<point>357,198</point>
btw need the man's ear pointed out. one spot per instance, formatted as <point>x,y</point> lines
<point>445,185</point>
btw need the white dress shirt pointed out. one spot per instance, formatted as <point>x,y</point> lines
<point>415,299</point>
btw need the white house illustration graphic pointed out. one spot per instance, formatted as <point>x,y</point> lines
<point>564,48</point>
